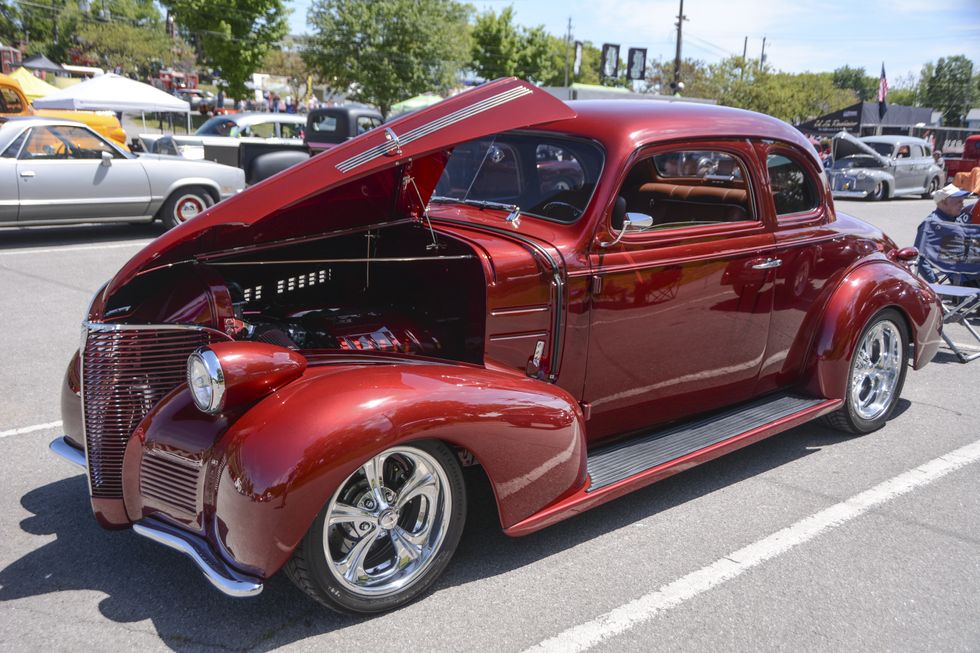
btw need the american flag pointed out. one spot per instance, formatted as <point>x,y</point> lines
<point>882,93</point>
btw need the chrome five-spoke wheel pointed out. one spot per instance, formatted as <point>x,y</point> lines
<point>876,374</point>
<point>387,531</point>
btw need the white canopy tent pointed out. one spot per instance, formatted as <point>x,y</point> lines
<point>112,92</point>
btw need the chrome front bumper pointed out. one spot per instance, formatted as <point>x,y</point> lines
<point>850,193</point>
<point>222,576</point>
<point>67,451</point>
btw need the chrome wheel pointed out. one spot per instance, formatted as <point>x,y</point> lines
<point>387,522</point>
<point>876,371</point>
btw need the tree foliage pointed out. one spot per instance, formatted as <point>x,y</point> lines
<point>288,63</point>
<point>233,36</point>
<point>502,49</point>
<point>948,86</point>
<point>385,51</point>
<point>855,79</point>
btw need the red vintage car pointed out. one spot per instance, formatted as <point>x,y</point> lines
<point>296,379</point>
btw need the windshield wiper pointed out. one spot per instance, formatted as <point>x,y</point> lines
<point>513,209</point>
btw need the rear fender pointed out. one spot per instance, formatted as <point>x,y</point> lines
<point>863,292</point>
<point>284,458</point>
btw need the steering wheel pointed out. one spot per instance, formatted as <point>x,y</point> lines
<point>576,212</point>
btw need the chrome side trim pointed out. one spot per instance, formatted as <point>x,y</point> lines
<point>74,455</point>
<point>115,326</point>
<point>227,580</point>
<point>395,142</point>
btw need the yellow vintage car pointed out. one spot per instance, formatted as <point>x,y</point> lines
<point>13,102</point>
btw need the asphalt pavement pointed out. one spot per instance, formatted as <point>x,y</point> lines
<point>807,541</point>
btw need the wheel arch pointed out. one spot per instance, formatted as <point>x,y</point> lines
<point>861,294</point>
<point>284,458</point>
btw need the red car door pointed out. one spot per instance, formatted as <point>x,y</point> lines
<point>680,310</point>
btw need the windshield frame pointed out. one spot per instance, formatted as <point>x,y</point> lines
<point>544,137</point>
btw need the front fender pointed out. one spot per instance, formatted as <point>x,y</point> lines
<point>863,292</point>
<point>283,459</point>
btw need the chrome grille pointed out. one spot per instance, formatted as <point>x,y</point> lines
<point>171,480</point>
<point>126,371</point>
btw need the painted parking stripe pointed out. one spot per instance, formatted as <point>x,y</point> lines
<point>31,429</point>
<point>72,248</point>
<point>589,634</point>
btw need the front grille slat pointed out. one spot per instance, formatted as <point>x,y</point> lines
<point>126,371</point>
<point>170,481</point>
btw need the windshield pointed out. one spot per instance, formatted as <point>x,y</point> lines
<point>856,162</point>
<point>218,126</point>
<point>547,176</point>
<point>884,149</point>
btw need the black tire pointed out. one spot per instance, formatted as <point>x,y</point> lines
<point>933,187</point>
<point>860,413</point>
<point>311,571</point>
<point>184,204</point>
<point>879,193</point>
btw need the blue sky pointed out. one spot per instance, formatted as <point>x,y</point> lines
<point>818,37</point>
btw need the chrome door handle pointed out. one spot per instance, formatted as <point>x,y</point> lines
<point>26,173</point>
<point>768,264</point>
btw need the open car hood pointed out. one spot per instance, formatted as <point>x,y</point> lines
<point>382,176</point>
<point>846,145</point>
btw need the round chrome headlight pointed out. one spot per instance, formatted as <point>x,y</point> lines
<point>206,380</point>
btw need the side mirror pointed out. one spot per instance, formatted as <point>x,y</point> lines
<point>618,214</point>
<point>106,158</point>
<point>622,221</point>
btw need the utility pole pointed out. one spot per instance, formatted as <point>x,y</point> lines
<point>676,84</point>
<point>762,57</point>
<point>568,41</point>
<point>745,53</point>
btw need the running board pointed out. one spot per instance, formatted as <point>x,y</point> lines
<point>626,466</point>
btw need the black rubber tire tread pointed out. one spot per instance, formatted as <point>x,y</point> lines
<point>880,194</point>
<point>843,419</point>
<point>933,187</point>
<point>167,210</point>
<point>306,568</point>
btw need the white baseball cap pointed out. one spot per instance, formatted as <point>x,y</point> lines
<point>948,191</point>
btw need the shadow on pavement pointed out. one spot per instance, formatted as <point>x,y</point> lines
<point>30,237</point>
<point>142,580</point>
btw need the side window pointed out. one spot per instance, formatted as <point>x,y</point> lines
<point>793,190</point>
<point>261,130</point>
<point>366,123</point>
<point>683,188</point>
<point>917,152</point>
<point>291,130</point>
<point>65,143</point>
<point>10,101</point>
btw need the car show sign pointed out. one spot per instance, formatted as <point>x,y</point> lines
<point>636,64</point>
<point>610,60</point>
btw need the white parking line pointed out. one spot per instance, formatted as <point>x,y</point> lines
<point>72,248</point>
<point>30,429</point>
<point>618,621</point>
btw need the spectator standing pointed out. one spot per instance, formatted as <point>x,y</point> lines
<point>937,158</point>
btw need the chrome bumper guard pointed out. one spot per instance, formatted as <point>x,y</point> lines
<point>223,577</point>
<point>849,193</point>
<point>67,451</point>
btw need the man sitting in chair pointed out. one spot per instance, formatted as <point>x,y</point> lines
<point>948,244</point>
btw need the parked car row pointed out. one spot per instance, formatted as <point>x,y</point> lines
<point>295,380</point>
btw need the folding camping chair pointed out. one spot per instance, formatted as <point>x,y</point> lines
<point>949,256</point>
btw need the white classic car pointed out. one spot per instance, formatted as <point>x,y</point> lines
<point>61,172</point>
<point>882,167</point>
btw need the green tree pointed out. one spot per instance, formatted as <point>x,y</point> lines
<point>502,49</point>
<point>384,51</point>
<point>948,86</point>
<point>232,35</point>
<point>855,79</point>
<point>287,62</point>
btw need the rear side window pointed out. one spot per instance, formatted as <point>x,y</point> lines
<point>14,148</point>
<point>10,101</point>
<point>686,188</point>
<point>793,190</point>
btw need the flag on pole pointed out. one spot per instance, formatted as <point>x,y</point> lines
<point>882,93</point>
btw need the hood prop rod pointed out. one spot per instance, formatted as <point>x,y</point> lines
<point>425,214</point>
